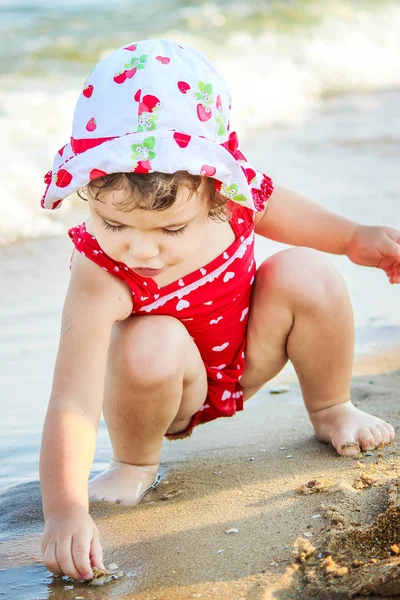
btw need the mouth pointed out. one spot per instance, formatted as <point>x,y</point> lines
<point>146,272</point>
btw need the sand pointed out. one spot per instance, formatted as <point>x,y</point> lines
<point>241,473</point>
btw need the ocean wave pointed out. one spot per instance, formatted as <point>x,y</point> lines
<point>279,61</point>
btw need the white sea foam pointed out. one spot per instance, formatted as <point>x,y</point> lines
<point>277,79</point>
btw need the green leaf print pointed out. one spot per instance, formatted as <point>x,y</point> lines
<point>151,155</point>
<point>149,143</point>
<point>143,58</point>
<point>233,188</point>
<point>240,198</point>
<point>199,96</point>
<point>208,88</point>
<point>221,129</point>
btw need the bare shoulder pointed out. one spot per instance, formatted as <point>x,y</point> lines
<point>91,287</point>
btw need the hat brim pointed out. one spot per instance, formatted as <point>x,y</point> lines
<point>162,151</point>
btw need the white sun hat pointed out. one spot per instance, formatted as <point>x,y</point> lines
<point>155,105</point>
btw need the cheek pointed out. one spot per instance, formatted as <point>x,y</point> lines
<point>111,243</point>
<point>187,244</point>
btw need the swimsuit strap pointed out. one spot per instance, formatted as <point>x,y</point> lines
<point>242,218</point>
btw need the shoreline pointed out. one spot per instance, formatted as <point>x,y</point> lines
<point>244,476</point>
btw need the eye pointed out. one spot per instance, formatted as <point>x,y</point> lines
<point>107,225</point>
<point>175,231</point>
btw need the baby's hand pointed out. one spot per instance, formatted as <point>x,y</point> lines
<point>71,544</point>
<point>376,247</point>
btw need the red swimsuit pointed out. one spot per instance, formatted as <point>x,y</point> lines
<point>213,304</point>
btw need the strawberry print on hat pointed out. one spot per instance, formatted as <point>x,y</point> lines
<point>147,116</point>
<point>88,91</point>
<point>171,91</point>
<point>130,69</point>
<point>163,59</point>
<point>142,154</point>
<point>208,170</point>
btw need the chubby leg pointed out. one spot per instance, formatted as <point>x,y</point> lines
<point>301,311</point>
<point>155,382</point>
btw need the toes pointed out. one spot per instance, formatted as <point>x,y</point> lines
<point>345,444</point>
<point>377,435</point>
<point>384,432</point>
<point>367,440</point>
<point>390,429</point>
<point>348,449</point>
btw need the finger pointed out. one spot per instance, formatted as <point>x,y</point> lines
<point>64,558</point>
<point>80,553</point>
<point>50,559</point>
<point>392,249</point>
<point>96,553</point>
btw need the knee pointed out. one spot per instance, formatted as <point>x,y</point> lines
<point>305,277</point>
<point>151,349</point>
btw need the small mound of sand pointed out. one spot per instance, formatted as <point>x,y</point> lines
<point>354,560</point>
<point>314,486</point>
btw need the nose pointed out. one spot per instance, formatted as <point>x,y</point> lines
<point>142,247</point>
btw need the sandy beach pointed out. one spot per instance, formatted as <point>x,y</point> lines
<point>242,476</point>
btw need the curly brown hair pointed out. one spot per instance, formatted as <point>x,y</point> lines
<point>157,191</point>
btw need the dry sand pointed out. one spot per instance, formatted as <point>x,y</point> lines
<point>243,473</point>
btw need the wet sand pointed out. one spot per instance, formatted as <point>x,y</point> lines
<point>242,474</point>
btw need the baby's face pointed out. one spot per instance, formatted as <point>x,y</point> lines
<point>148,239</point>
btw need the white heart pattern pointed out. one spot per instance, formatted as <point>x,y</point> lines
<point>215,321</point>
<point>180,282</point>
<point>225,255</point>
<point>220,348</point>
<point>226,395</point>
<point>229,275</point>
<point>244,313</point>
<point>203,271</point>
<point>182,304</point>
<point>219,376</point>
<point>208,303</point>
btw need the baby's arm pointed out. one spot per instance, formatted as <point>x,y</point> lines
<point>94,302</point>
<point>293,219</point>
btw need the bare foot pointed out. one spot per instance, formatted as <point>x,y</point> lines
<point>350,430</point>
<point>122,483</point>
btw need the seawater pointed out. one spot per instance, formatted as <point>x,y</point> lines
<point>280,59</point>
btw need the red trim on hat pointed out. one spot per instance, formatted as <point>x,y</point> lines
<point>79,146</point>
<point>232,145</point>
